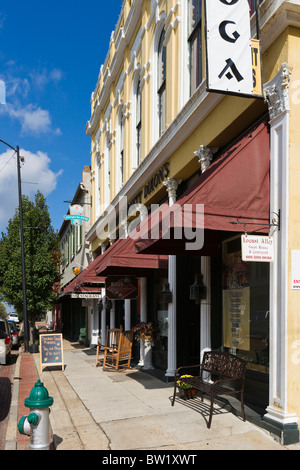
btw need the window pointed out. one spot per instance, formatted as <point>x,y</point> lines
<point>195,43</point>
<point>245,307</point>
<point>138,123</point>
<point>121,168</point>
<point>161,82</point>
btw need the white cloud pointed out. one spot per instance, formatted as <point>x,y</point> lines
<point>41,78</point>
<point>33,119</point>
<point>36,169</point>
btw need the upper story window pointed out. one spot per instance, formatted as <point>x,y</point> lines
<point>161,82</point>
<point>121,156</point>
<point>252,5</point>
<point>195,43</point>
<point>138,122</point>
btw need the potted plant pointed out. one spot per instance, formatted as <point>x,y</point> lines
<point>186,391</point>
<point>146,333</point>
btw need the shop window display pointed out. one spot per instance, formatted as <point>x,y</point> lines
<point>245,298</point>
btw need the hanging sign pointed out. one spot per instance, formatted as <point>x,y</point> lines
<point>75,215</point>
<point>256,67</point>
<point>121,287</point>
<point>295,269</point>
<point>228,47</point>
<point>257,248</point>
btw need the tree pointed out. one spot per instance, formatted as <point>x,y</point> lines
<point>42,258</point>
<point>2,310</point>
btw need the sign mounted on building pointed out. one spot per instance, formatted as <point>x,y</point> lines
<point>75,215</point>
<point>228,47</point>
<point>295,269</point>
<point>121,287</point>
<point>257,248</point>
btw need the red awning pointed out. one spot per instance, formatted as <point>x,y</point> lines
<point>86,281</point>
<point>121,258</point>
<point>234,187</point>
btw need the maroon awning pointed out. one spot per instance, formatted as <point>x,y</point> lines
<point>86,281</point>
<point>121,258</point>
<point>235,187</point>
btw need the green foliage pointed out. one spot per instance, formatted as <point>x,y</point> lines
<point>2,310</point>
<point>42,258</point>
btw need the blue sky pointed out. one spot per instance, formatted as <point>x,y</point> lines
<point>50,57</point>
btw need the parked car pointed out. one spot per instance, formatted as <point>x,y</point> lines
<point>13,317</point>
<point>14,333</point>
<point>5,341</point>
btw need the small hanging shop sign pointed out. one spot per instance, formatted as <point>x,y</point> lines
<point>257,248</point>
<point>121,287</point>
<point>75,215</point>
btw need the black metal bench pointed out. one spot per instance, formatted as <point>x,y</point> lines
<point>227,376</point>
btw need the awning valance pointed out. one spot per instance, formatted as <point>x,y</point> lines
<point>86,281</point>
<point>121,258</point>
<point>234,187</point>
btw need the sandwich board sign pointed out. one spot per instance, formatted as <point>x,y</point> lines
<point>51,350</point>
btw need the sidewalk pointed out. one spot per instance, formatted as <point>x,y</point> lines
<point>96,410</point>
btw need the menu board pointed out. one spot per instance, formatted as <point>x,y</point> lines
<point>51,350</point>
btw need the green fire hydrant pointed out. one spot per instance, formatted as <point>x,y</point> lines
<point>36,424</point>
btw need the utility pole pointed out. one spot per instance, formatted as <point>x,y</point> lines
<point>25,317</point>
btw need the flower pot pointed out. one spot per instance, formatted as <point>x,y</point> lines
<point>187,393</point>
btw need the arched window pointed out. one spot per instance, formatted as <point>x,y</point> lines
<point>138,122</point>
<point>195,43</point>
<point>161,82</point>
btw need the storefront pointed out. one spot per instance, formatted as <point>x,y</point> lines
<point>231,308</point>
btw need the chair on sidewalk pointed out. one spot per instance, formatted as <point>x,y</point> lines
<point>112,342</point>
<point>116,359</point>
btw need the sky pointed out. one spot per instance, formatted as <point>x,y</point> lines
<point>50,57</point>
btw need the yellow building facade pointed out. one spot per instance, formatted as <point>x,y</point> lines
<point>153,124</point>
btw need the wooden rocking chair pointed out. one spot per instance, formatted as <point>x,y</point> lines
<point>112,341</point>
<point>116,359</point>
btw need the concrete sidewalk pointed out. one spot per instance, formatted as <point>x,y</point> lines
<point>96,410</point>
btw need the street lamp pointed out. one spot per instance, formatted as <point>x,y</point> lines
<point>19,159</point>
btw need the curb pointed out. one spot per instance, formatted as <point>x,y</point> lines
<point>12,426</point>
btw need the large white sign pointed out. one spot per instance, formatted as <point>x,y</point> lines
<point>295,269</point>
<point>228,42</point>
<point>257,248</point>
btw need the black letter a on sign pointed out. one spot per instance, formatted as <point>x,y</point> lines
<point>231,65</point>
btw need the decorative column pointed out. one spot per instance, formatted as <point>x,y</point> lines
<point>276,93</point>
<point>205,157</point>
<point>112,313</point>
<point>103,312</point>
<point>172,185</point>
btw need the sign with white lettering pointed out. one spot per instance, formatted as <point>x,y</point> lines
<point>121,287</point>
<point>295,269</point>
<point>86,295</point>
<point>228,47</point>
<point>257,248</point>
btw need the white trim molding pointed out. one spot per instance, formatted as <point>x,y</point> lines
<point>276,94</point>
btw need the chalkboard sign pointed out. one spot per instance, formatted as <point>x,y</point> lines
<point>51,350</point>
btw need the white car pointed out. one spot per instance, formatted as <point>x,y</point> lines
<point>5,341</point>
<point>13,317</point>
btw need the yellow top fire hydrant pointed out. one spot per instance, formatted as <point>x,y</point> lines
<point>36,424</point>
